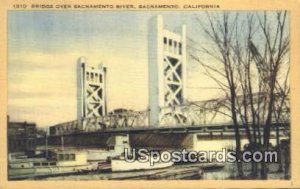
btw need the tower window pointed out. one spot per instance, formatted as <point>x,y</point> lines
<point>87,76</point>
<point>175,47</point>
<point>165,43</point>
<point>170,42</point>
<point>92,76</point>
<point>96,77</point>
<point>180,48</point>
<point>165,40</point>
<point>170,45</point>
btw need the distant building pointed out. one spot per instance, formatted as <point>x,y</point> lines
<point>120,111</point>
<point>91,90</point>
<point>167,68</point>
<point>21,136</point>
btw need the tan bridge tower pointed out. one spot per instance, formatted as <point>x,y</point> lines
<point>167,70</point>
<point>91,92</point>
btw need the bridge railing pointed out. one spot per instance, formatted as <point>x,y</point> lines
<point>209,112</point>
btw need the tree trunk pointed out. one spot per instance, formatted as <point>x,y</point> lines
<point>237,134</point>
<point>268,121</point>
<point>278,148</point>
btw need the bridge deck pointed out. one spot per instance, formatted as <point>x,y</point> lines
<point>178,129</point>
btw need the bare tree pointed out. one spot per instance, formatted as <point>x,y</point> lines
<point>275,47</point>
<point>221,31</point>
<point>249,55</point>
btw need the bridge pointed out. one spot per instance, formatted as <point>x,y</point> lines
<point>172,136</point>
<point>202,116</point>
<point>222,128</point>
<point>169,110</point>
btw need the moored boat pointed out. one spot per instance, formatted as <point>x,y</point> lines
<point>116,146</point>
<point>57,163</point>
<point>120,164</point>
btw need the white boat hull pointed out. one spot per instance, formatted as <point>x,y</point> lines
<point>18,173</point>
<point>118,165</point>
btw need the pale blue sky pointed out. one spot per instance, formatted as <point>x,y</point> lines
<point>43,47</point>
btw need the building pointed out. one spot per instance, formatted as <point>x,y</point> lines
<point>91,91</point>
<point>120,111</point>
<point>21,136</point>
<point>167,68</point>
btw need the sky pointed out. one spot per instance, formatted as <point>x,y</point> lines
<point>43,47</point>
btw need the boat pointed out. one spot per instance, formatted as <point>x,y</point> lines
<point>172,173</point>
<point>115,157</point>
<point>57,163</point>
<point>116,146</point>
<point>119,164</point>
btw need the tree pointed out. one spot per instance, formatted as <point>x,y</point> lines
<point>220,31</point>
<point>248,51</point>
<point>275,50</point>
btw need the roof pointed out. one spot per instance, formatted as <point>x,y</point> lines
<point>21,124</point>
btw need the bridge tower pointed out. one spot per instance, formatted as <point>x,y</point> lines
<point>167,68</point>
<point>91,92</point>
